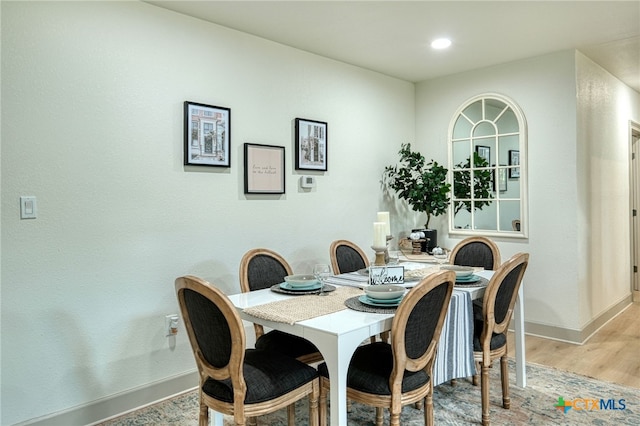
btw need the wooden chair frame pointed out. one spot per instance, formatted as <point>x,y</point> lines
<point>477,239</point>
<point>245,288</point>
<point>401,360</point>
<point>486,357</point>
<point>233,370</point>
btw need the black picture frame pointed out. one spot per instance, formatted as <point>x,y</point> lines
<point>264,169</point>
<point>484,152</point>
<point>514,160</point>
<point>207,135</point>
<point>311,144</point>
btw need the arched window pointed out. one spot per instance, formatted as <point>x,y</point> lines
<point>488,168</point>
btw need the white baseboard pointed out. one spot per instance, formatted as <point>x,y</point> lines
<point>103,409</point>
<point>577,336</point>
<point>115,405</point>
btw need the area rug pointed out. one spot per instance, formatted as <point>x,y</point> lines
<point>552,397</point>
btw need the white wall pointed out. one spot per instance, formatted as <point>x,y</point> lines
<point>92,96</point>
<point>544,89</point>
<point>576,115</point>
<point>604,108</point>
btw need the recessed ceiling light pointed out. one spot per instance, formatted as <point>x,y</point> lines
<point>441,43</point>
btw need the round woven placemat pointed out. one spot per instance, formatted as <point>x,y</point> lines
<point>327,288</point>
<point>482,282</point>
<point>356,305</point>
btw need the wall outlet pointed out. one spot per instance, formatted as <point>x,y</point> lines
<point>171,325</point>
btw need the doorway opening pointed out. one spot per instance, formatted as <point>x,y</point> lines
<point>635,205</point>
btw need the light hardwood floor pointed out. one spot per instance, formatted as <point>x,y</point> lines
<point>612,354</point>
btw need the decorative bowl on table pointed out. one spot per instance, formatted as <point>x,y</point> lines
<point>461,271</point>
<point>384,291</point>
<point>301,280</point>
<point>440,254</point>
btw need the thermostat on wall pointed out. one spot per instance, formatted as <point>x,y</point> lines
<point>307,181</point>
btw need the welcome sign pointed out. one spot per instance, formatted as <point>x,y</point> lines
<point>379,275</point>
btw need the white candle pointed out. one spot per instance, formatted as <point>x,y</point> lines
<point>384,217</point>
<point>379,235</point>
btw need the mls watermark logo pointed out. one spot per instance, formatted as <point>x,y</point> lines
<point>589,404</point>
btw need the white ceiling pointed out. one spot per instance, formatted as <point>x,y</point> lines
<point>392,37</point>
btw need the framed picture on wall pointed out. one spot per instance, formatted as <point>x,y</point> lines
<point>514,160</point>
<point>207,135</point>
<point>311,144</point>
<point>263,169</point>
<point>484,152</point>
<point>499,178</point>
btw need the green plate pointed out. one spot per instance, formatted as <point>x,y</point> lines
<point>468,280</point>
<point>287,286</point>
<point>384,301</point>
<point>364,299</point>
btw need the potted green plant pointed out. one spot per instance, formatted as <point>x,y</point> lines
<point>422,184</point>
<point>482,182</point>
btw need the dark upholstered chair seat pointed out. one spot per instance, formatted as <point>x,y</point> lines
<point>497,340</point>
<point>268,375</point>
<point>286,344</point>
<point>370,368</point>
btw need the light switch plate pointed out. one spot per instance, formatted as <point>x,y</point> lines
<point>28,207</point>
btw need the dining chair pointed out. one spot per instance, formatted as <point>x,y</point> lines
<point>515,224</point>
<point>244,383</point>
<point>491,319</point>
<point>390,375</point>
<point>347,257</point>
<point>476,251</point>
<point>262,268</point>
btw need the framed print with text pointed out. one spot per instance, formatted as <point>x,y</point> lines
<point>207,135</point>
<point>263,169</point>
<point>514,160</point>
<point>500,179</point>
<point>311,145</point>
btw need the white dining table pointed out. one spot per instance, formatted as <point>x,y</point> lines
<point>337,335</point>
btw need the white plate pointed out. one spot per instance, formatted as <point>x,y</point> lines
<point>461,271</point>
<point>384,291</point>
<point>300,280</point>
